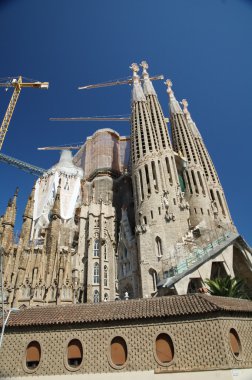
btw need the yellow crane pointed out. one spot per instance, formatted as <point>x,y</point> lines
<point>17,84</point>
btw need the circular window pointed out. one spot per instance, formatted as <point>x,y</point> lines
<point>235,343</point>
<point>33,355</point>
<point>164,349</point>
<point>74,353</point>
<point>118,351</point>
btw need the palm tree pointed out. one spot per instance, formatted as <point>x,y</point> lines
<point>227,287</point>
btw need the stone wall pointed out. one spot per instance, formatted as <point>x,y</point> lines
<point>199,345</point>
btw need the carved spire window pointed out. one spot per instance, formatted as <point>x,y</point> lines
<point>105,275</point>
<point>96,248</point>
<point>159,246</point>
<point>96,273</point>
<point>96,296</point>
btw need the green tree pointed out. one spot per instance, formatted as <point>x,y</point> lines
<point>227,287</point>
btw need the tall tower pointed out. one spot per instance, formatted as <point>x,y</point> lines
<point>184,143</point>
<point>155,184</point>
<point>219,204</point>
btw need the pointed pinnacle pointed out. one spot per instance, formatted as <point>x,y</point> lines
<point>16,192</point>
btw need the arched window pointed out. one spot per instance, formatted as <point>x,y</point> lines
<point>106,297</point>
<point>235,343</point>
<point>118,351</point>
<point>96,273</point>
<point>52,293</point>
<point>164,348</point>
<point>33,355</point>
<point>105,275</point>
<point>96,296</point>
<point>96,248</point>
<point>153,274</point>
<point>74,353</point>
<point>159,246</point>
<point>26,292</point>
<point>66,292</point>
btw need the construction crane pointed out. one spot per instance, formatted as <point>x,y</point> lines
<point>17,84</point>
<point>95,118</point>
<point>69,147</point>
<point>32,169</point>
<point>116,82</point>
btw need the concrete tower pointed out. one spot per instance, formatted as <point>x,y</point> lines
<point>219,204</point>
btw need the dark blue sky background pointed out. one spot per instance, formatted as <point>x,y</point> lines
<point>204,46</point>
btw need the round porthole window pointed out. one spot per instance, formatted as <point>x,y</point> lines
<point>74,353</point>
<point>164,349</point>
<point>235,343</point>
<point>33,355</point>
<point>118,351</point>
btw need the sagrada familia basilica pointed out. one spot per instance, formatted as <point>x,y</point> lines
<point>126,217</point>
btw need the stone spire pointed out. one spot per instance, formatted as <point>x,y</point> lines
<point>52,239</point>
<point>29,205</point>
<point>56,206</point>
<point>166,170</point>
<point>155,183</point>
<point>219,204</point>
<point>184,143</point>
<point>190,122</point>
<point>156,112</point>
<point>28,218</point>
<point>10,214</point>
<point>8,222</point>
<point>143,138</point>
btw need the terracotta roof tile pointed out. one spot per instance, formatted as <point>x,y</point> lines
<point>127,310</point>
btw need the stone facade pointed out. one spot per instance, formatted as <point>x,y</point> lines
<point>124,215</point>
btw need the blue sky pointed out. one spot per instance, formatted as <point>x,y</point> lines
<point>203,46</point>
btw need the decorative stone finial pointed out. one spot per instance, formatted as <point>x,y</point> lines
<point>147,85</point>
<point>134,67</point>
<point>174,105</point>
<point>185,105</point>
<point>137,91</point>
<point>168,83</point>
<point>144,65</point>
<point>185,110</point>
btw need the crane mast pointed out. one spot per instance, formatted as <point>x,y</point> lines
<point>9,112</point>
<point>32,169</point>
<point>18,84</point>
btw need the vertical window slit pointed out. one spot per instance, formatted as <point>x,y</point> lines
<point>154,174</point>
